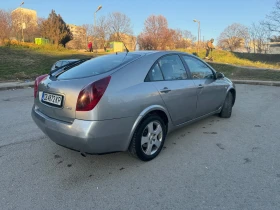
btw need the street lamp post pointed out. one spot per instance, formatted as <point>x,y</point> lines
<point>198,34</point>
<point>22,36</point>
<point>94,27</point>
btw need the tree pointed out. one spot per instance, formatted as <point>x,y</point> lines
<point>177,38</point>
<point>275,39</point>
<point>181,39</point>
<point>273,19</point>
<point>234,37</point>
<point>188,35</point>
<point>102,30</point>
<point>88,32</point>
<point>186,39</point>
<point>118,23</point>
<point>55,29</point>
<point>260,35</point>
<point>146,42</point>
<point>5,25</point>
<point>157,28</point>
<point>156,34</point>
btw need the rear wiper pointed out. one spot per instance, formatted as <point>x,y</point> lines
<point>68,66</point>
<point>61,67</point>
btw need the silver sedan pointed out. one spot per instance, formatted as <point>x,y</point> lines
<point>128,101</point>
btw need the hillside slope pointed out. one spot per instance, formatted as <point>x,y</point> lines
<point>17,63</point>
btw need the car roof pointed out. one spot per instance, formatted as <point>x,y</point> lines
<point>143,52</point>
<point>68,60</point>
<point>149,52</point>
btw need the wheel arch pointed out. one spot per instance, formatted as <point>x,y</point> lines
<point>154,109</point>
<point>233,92</point>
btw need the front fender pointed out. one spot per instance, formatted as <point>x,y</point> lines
<point>232,89</point>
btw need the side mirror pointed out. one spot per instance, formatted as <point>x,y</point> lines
<point>219,75</point>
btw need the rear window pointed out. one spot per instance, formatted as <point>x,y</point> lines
<point>98,65</point>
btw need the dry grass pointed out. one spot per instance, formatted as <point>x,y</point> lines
<point>239,73</point>
<point>29,60</point>
<point>22,63</point>
<point>240,59</point>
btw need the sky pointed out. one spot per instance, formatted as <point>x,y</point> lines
<point>214,15</point>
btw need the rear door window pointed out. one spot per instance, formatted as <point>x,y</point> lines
<point>172,68</point>
<point>98,65</point>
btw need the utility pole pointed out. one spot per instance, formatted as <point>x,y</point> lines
<point>198,34</point>
<point>94,27</point>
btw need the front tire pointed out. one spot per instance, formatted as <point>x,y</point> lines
<point>227,107</point>
<point>148,138</point>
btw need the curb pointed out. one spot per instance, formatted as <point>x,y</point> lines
<point>10,86</point>
<point>257,82</point>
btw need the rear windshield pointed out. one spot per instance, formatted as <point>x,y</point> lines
<point>98,65</point>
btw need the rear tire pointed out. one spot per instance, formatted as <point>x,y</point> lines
<point>148,138</point>
<point>227,107</point>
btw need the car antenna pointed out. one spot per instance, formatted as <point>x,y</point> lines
<point>125,47</point>
<point>122,42</point>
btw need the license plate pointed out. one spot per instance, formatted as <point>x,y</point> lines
<point>52,99</point>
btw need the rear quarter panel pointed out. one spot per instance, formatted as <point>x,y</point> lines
<point>127,95</point>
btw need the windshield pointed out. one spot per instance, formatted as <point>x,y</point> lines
<point>98,65</point>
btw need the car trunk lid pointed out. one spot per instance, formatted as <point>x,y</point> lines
<point>68,92</point>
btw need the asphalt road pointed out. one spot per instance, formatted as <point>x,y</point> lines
<point>213,164</point>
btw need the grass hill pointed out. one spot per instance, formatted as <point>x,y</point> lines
<point>266,61</point>
<point>21,62</point>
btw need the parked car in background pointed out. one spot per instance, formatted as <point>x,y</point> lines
<point>128,101</point>
<point>61,63</point>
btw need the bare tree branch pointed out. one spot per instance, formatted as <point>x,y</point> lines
<point>260,35</point>
<point>5,25</point>
<point>233,37</point>
<point>273,19</point>
<point>102,30</point>
<point>118,24</point>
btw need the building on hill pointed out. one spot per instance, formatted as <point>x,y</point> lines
<point>79,40</point>
<point>274,47</point>
<point>253,46</point>
<point>25,23</point>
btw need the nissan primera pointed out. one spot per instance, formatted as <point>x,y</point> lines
<point>128,101</point>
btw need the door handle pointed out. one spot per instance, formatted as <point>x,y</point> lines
<point>200,86</point>
<point>165,90</point>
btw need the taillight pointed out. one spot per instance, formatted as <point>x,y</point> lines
<point>37,82</point>
<point>91,94</point>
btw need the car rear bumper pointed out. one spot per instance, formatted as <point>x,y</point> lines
<point>92,137</point>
